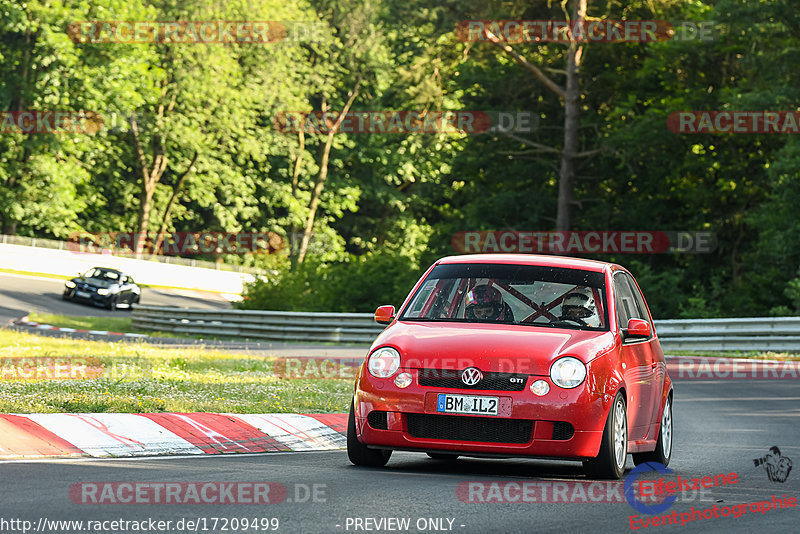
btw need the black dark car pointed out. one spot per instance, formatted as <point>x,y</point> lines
<point>103,287</point>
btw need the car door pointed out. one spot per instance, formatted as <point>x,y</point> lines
<point>637,359</point>
<point>656,356</point>
<point>135,290</point>
<point>125,289</point>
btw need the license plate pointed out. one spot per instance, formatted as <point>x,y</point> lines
<point>83,294</point>
<point>471,404</point>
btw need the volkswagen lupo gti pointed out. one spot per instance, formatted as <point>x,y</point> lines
<point>516,356</point>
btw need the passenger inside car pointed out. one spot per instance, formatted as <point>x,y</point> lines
<point>579,307</point>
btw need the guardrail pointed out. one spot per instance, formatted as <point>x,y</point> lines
<point>754,333</point>
<point>271,325</point>
<point>767,333</point>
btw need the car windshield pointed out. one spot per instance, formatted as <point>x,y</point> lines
<point>102,274</point>
<point>511,294</point>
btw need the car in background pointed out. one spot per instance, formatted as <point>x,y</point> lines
<point>496,355</point>
<point>104,287</point>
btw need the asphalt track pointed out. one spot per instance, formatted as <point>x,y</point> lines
<point>20,294</point>
<point>720,427</point>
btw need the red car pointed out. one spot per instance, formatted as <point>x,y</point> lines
<point>516,356</point>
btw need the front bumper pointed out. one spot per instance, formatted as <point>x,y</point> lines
<point>412,411</point>
<point>92,298</point>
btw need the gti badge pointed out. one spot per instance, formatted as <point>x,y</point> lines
<point>471,376</point>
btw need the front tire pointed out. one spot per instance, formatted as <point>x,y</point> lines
<point>610,461</point>
<point>663,452</point>
<point>360,454</point>
<point>112,303</point>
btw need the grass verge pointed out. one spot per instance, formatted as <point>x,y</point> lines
<point>137,378</point>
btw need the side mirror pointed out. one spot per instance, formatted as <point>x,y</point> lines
<point>384,314</point>
<point>637,329</point>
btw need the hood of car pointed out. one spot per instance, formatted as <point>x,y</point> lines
<point>491,347</point>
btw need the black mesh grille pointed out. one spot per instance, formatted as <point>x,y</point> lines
<point>377,420</point>
<point>446,378</point>
<point>460,428</point>
<point>562,430</point>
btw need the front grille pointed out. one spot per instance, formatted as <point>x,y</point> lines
<point>563,431</point>
<point>447,378</point>
<point>377,420</point>
<point>459,428</point>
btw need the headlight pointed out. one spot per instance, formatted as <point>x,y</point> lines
<point>70,284</point>
<point>384,362</point>
<point>102,291</point>
<point>568,372</point>
<point>403,380</point>
<point>540,388</point>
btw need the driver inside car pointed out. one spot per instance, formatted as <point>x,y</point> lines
<point>579,307</point>
<point>485,303</point>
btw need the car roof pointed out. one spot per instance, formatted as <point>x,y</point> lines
<point>541,260</point>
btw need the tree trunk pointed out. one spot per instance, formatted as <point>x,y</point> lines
<point>143,221</point>
<point>150,177</point>
<point>323,175</point>
<point>571,94</point>
<point>295,181</point>
<point>9,227</point>
<point>168,210</point>
<point>572,103</point>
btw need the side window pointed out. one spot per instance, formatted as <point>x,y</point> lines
<point>642,309</point>
<point>626,305</point>
<point>423,296</point>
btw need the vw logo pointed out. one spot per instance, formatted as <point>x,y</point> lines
<point>471,376</point>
